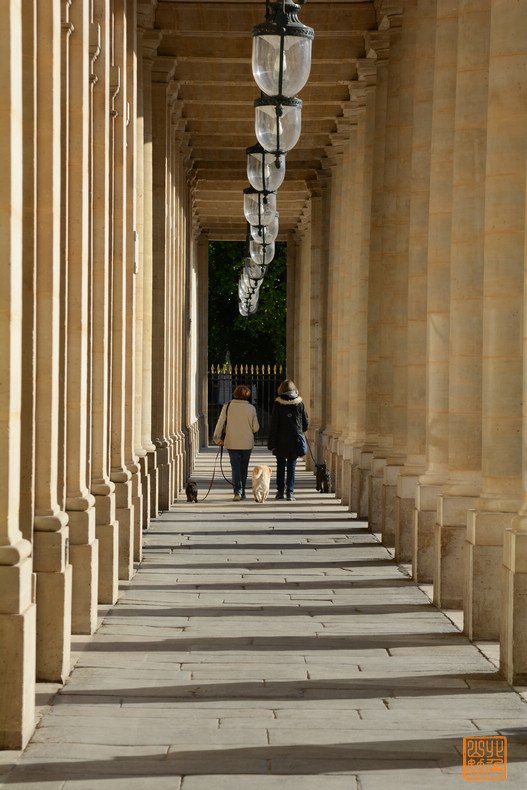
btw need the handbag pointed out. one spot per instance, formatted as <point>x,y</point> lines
<point>301,445</point>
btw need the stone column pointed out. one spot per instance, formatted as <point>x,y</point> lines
<point>107,528</point>
<point>466,301</point>
<point>394,306</point>
<point>378,45</point>
<point>438,291</point>
<point>334,274</point>
<point>503,277</point>
<point>319,199</point>
<point>151,40</point>
<point>131,266</point>
<point>140,383</point>
<point>162,71</point>
<point>399,108</point>
<point>291,317</point>
<point>417,280</point>
<point>17,609</point>
<point>51,532</point>
<point>203,318</point>
<point>80,503</point>
<point>121,300</point>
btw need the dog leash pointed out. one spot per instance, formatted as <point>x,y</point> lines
<point>213,476</point>
<point>221,467</point>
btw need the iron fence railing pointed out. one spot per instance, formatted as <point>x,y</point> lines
<point>263,381</point>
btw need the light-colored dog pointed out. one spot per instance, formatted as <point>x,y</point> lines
<point>261,480</point>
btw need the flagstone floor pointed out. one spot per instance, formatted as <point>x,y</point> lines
<point>268,647</point>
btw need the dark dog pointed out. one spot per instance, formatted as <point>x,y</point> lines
<point>323,482</point>
<point>191,491</point>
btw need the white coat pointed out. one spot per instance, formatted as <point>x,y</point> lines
<point>242,424</point>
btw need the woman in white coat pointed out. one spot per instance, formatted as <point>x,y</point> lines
<point>238,416</point>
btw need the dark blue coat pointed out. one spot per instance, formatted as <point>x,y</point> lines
<point>288,422</point>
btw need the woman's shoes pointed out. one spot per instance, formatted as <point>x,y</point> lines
<point>290,497</point>
<point>236,498</point>
<point>279,495</point>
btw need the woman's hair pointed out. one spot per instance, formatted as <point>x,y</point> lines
<point>287,386</point>
<point>242,392</point>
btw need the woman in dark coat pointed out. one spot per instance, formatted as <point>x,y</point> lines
<point>286,436</point>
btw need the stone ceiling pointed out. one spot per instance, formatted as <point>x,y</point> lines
<point>211,43</point>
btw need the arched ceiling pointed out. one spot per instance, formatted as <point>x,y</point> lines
<point>211,44</point>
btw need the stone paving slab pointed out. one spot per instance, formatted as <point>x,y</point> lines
<point>269,648</point>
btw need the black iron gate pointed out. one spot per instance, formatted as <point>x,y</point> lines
<point>263,381</point>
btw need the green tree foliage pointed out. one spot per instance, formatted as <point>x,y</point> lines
<point>260,338</point>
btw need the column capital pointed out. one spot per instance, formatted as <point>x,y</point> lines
<point>389,13</point>
<point>163,69</point>
<point>377,45</point>
<point>146,12</point>
<point>94,49</point>
<point>151,41</point>
<point>367,71</point>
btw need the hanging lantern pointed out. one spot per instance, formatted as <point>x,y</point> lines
<point>264,234</point>
<point>262,254</point>
<point>259,207</point>
<point>278,122</point>
<point>253,270</point>
<point>265,171</point>
<point>282,46</point>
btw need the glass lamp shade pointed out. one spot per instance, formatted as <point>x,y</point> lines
<point>265,234</point>
<point>282,52</point>
<point>262,254</point>
<point>259,207</point>
<point>264,171</point>
<point>278,122</point>
<point>253,270</point>
<point>243,310</point>
<point>251,285</point>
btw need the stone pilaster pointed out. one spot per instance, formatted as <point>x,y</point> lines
<point>438,291</point>
<point>503,280</point>
<point>102,487</point>
<point>17,609</point>
<point>50,526</point>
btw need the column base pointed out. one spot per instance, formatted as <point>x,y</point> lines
<point>107,533</point>
<point>125,517</point>
<point>145,490</point>
<point>153,475</point>
<point>375,494</point>
<point>54,625</point>
<point>364,484</point>
<point>83,555</point>
<point>449,545</point>
<point>424,521</point>
<point>345,482</point>
<point>483,572</point>
<point>513,630</point>
<point>389,510</point>
<point>163,479</point>
<point>137,504</point>
<point>404,517</point>
<point>85,571</point>
<point>17,648</point>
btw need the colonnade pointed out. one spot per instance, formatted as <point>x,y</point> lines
<point>100,408</point>
<point>409,314</point>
